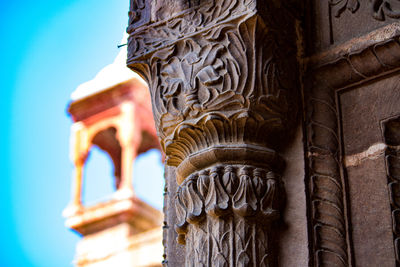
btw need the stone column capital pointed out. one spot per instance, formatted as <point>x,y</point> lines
<point>223,82</point>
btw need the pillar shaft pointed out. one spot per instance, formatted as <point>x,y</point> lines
<point>77,184</point>
<point>127,162</point>
<point>222,77</point>
<point>78,153</point>
<point>129,137</point>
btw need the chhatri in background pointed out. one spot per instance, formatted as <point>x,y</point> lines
<point>47,49</point>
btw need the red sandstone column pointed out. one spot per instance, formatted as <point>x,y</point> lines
<point>130,140</point>
<point>79,152</point>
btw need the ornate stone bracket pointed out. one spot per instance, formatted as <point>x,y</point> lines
<point>223,78</point>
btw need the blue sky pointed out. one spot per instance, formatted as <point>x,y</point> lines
<point>47,49</point>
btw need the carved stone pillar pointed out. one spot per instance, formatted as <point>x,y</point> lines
<point>223,78</point>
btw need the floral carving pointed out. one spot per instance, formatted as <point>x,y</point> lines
<point>188,22</point>
<point>195,78</point>
<point>220,198</point>
<point>380,8</point>
<point>383,8</point>
<point>137,7</point>
<point>138,14</point>
<point>199,67</point>
<point>339,6</point>
<point>213,74</point>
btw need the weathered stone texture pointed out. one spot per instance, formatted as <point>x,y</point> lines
<point>334,22</point>
<point>293,235</point>
<point>364,108</point>
<point>370,214</point>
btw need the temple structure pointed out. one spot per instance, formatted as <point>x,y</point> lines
<point>280,122</point>
<point>113,112</point>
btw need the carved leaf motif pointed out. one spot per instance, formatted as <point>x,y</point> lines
<point>161,103</point>
<point>221,83</point>
<point>209,76</point>
<point>194,203</point>
<point>339,6</point>
<point>269,198</point>
<point>217,200</point>
<point>382,8</point>
<point>221,247</point>
<point>181,213</point>
<point>229,180</point>
<point>197,250</point>
<point>264,262</point>
<point>262,238</point>
<point>259,183</point>
<point>136,9</point>
<point>233,236</point>
<point>177,27</point>
<point>202,184</point>
<point>215,34</point>
<point>175,79</point>
<point>243,241</point>
<point>178,73</point>
<point>244,200</point>
<point>191,58</point>
<point>272,99</point>
<point>197,77</point>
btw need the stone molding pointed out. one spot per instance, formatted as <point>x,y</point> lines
<point>391,133</point>
<point>327,201</point>
<point>113,212</point>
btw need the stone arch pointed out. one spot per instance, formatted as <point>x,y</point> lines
<point>107,141</point>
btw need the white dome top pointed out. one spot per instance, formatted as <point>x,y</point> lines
<point>109,76</point>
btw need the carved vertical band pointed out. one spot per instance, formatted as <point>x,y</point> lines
<point>392,158</point>
<point>222,76</point>
<point>325,184</point>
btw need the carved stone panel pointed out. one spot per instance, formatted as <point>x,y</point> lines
<point>333,22</point>
<point>139,13</point>
<point>363,108</point>
<point>349,89</point>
